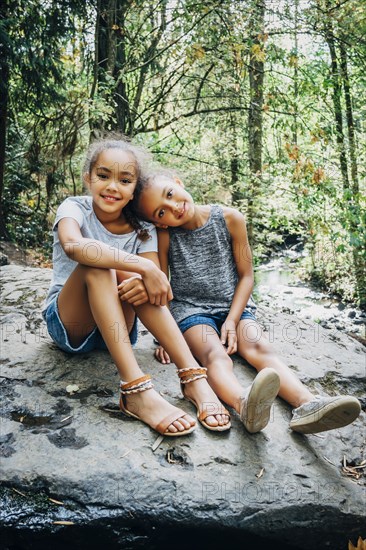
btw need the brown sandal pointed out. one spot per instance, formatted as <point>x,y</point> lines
<point>142,384</point>
<point>191,374</point>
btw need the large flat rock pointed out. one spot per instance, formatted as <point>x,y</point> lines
<point>78,449</point>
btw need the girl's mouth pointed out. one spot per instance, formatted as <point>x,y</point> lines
<point>182,212</point>
<point>109,198</point>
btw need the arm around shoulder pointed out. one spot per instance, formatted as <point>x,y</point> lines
<point>163,249</point>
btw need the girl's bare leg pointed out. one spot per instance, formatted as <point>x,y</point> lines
<point>159,321</point>
<point>254,347</point>
<point>89,298</point>
<point>208,349</point>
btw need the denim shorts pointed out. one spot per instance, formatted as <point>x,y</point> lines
<point>215,320</point>
<point>92,341</point>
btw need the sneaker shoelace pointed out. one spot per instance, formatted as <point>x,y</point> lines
<point>308,407</point>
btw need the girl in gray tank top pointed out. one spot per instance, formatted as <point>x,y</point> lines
<point>206,251</point>
<point>203,273</point>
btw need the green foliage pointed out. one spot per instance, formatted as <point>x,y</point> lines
<point>176,76</point>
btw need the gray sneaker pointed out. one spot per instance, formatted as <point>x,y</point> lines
<point>257,400</point>
<point>325,413</point>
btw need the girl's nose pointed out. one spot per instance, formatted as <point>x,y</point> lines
<point>112,184</point>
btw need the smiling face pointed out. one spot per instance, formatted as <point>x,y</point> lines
<point>166,203</point>
<point>112,181</point>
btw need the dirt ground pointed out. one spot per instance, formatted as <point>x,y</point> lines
<point>23,256</point>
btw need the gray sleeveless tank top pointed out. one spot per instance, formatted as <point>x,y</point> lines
<point>203,273</point>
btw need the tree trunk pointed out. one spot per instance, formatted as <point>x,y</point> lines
<point>237,195</point>
<point>122,120</point>
<point>357,249</point>
<point>110,58</point>
<point>255,114</point>
<point>350,122</point>
<point>337,93</point>
<point>4,94</point>
<point>351,194</point>
<point>296,74</point>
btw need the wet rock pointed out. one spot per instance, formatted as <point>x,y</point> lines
<point>287,310</point>
<point>123,486</point>
<point>67,438</point>
<point>6,449</point>
<point>3,259</point>
<point>351,314</point>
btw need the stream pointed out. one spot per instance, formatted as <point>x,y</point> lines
<point>278,286</point>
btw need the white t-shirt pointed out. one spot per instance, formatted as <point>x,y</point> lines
<point>81,210</point>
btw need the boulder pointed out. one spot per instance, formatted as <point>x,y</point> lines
<point>76,473</point>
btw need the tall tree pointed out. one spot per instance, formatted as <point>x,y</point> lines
<point>352,211</point>
<point>255,113</point>
<point>4,87</point>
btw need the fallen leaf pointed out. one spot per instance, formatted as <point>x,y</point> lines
<point>259,475</point>
<point>351,469</point>
<point>361,544</point>
<point>170,459</point>
<point>72,388</point>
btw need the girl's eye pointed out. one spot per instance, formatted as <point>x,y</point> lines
<point>170,194</point>
<point>161,213</point>
<point>102,176</point>
<point>125,181</point>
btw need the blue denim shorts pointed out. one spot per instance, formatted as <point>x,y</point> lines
<point>213,320</point>
<point>92,341</point>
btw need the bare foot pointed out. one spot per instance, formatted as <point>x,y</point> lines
<point>206,400</point>
<point>152,408</point>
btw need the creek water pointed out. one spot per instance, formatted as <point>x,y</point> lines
<point>277,285</point>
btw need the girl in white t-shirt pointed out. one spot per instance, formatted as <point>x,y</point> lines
<point>99,255</point>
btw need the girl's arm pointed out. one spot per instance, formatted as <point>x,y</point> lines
<point>95,253</point>
<point>242,254</point>
<point>163,249</point>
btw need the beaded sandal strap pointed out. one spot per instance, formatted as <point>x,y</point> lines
<point>136,386</point>
<point>191,374</point>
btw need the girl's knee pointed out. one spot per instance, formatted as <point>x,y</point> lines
<point>219,359</point>
<point>92,274</point>
<point>259,348</point>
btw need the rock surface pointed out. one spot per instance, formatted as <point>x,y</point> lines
<point>119,491</point>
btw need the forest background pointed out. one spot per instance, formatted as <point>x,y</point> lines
<point>258,105</point>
